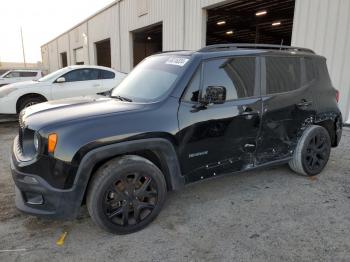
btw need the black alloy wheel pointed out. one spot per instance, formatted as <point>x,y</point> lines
<point>316,152</point>
<point>126,194</point>
<point>130,199</point>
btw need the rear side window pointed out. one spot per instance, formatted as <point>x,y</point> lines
<point>283,74</point>
<point>236,74</point>
<point>310,70</point>
<point>27,74</point>
<point>104,74</point>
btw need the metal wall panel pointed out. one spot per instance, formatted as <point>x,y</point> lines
<point>103,26</point>
<point>324,26</point>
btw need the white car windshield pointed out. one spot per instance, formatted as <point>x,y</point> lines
<point>151,79</point>
<point>3,75</point>
<point>53,76</point>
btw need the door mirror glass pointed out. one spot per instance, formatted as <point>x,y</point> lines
<point>214,95</point>
<point>60,80</point>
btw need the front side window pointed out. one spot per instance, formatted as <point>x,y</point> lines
<point>283,74</point>
<point>152,78</point>
<point>82,75</point>
<point>192,91</point>
<point>236,74</point>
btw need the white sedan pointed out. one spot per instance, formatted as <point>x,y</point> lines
<point>70,81</point>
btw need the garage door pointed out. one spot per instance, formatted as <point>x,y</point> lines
<point>79,56</point>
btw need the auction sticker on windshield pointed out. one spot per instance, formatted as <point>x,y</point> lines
<point>179,61</point>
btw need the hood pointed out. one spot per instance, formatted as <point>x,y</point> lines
<point>78,108</point>
<point>26,84</point>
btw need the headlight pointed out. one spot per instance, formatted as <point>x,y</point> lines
<point>36,141</point>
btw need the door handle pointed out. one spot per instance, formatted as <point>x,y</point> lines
<point>304,103</point>
<point>248,113</point>
<point>96,85</point>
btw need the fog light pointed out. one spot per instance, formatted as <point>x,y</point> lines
<point>33,198</point>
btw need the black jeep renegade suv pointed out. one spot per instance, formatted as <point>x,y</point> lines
<point>178,117</point>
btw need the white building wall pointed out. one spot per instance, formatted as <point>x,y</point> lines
<point>79,39</point>
<point>168,12</point>
<point>53,56</point>
<point>63,46</point>
<point>45,57</point>
<point>324,26</point>
<point>103,26</point>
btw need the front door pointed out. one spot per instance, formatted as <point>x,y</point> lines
<point>220,138</point>
<point>79,82</point>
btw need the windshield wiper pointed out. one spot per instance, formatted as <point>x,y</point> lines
<point>121,98</point>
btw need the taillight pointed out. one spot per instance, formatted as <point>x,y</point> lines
<point>337,95</point>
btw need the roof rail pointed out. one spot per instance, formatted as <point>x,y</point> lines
<point>223,47</point>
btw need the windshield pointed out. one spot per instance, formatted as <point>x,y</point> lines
<point>53,76</point>
<point>3,75</point>
<point>151,79</point>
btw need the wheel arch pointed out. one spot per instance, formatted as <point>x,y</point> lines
<point>333,127</point>
<point>159,151</point>
<point>24,96</point>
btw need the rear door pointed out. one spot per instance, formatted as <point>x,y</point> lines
<point>287,103</point>
<point>220,138</point>
<point>79,82</point>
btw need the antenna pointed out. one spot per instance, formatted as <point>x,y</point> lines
<point>24,54</point>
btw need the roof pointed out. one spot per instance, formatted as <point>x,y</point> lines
<point>229,47</point>
<point>90,66</point>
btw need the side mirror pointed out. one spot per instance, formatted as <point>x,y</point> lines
<point>214,95</point>
<point>60,80</point>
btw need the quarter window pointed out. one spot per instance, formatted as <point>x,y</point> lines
<point>283,74</point>
<point>236,74</point>
<point>106,74</point>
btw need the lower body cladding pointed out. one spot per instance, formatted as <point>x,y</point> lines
<point>35,196</point>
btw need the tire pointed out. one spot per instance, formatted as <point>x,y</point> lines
<point>312,152</point>
<point>29,101</point>
<point>126,194</point>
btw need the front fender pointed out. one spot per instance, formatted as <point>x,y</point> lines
<point>164,148</point>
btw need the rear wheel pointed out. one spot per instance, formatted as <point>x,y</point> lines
<point>312,152</point>
<point>126,194</point>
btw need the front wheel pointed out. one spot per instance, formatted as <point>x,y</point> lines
<point>312,152</point>
<point>28,101</point>
<point>126,194</point>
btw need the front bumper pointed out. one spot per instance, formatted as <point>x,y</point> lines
<point>35,196</point>
<point>7,106</point>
